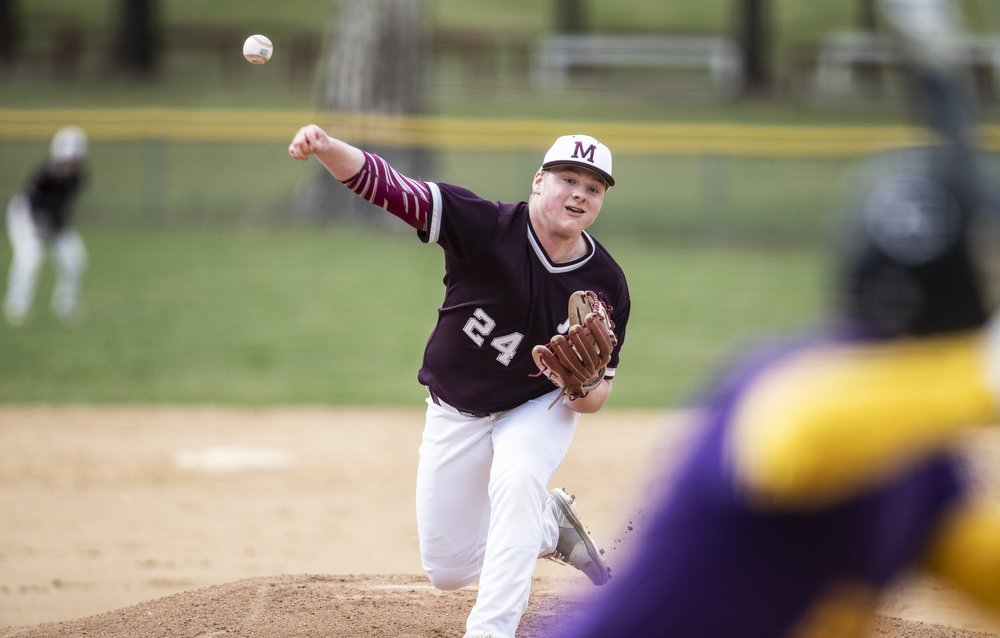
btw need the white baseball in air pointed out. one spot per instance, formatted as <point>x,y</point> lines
<point>257,49</point>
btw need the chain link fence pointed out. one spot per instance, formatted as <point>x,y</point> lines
<point>180,169</point>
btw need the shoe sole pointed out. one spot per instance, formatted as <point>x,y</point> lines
<point>569,509</point>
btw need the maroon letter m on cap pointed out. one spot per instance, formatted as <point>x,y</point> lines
<point>579,153</point>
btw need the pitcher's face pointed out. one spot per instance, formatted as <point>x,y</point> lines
<point>568,200</point>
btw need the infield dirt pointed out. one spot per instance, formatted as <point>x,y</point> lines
<point>156,521</point>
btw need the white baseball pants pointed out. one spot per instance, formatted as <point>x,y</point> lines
<point>28,247</point>
<point>482,485</point>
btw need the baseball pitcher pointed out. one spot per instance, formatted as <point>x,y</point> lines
<point>531,300</point>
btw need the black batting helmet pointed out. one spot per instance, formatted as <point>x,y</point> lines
<point>922,250</point>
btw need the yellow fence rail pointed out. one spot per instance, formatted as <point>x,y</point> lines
<point>470,134</point>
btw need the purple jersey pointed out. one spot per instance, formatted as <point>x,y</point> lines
<point>503,297</point>
<point>710,565</point>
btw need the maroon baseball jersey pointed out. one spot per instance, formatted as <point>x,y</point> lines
<point>503,296</point>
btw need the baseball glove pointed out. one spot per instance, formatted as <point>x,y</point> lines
<point>577,362</point>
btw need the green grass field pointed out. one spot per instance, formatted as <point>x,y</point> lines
<point>340,317</point>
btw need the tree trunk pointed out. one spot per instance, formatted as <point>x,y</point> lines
<point>571,16</point>
<point>138,36</point>
<point>755,40</point>
<point>375,65</point>
<point>866,16</point>
<point>869,76</point>
<point>10,32</point>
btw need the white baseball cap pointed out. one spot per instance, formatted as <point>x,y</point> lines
<point>70,143</point>
<point>581,150</point>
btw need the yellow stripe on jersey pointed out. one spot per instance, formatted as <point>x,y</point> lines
<point>966,550</point>
<point>844,610</point>
<point>835,419</point>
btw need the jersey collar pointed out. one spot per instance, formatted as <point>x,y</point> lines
<point>564,267</point>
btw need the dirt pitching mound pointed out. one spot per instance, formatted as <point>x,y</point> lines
<point>301,606</point>
<point>396,606</point>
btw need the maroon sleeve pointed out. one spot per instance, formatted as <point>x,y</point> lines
<point>384,186</point>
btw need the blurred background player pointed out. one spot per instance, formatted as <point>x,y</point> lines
<point>494,434</point>
<point>40,217</point>
<point>823,469</point>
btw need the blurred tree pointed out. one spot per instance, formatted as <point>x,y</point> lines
<point>10,31</point>
<point>571,16</point>
<point>869,76</point>
<point>376,60</point>
<point>138,36</point>
<point>754,30</point>
<point>67,49</point>
<point>375,64</point>
<point>866,15</point>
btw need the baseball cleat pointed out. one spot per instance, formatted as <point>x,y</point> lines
<point>575,546</point>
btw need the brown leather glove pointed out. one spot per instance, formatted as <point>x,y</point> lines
<point>577,362</point>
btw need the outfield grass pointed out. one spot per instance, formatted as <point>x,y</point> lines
<point>341,318</point>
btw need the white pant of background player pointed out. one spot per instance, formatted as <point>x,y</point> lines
<point>28,246</point>
<point>481,503</point>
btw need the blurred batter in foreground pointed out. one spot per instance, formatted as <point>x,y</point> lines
<point>823,469</point>
<point>39,218</point>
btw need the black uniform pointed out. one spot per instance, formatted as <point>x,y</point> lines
<point>51,194</point>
